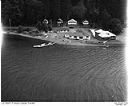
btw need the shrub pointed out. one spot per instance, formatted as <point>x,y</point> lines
<point>20,29</point>
<point>115,26</point>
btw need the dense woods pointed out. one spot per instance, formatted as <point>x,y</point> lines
<point>28,12</point>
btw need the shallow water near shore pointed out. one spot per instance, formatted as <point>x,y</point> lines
<point>61,72</point>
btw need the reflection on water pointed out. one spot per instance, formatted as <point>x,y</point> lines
<point>61,73</point>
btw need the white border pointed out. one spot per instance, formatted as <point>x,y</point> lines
<point>72,103</point>
<point>1,46</point>
<point>126,47</point>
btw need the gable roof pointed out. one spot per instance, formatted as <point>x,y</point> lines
<point>60,19</point>
<point>85,22</point>
<point>72,21</point>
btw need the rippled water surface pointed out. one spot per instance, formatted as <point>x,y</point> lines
<point>61,73</point>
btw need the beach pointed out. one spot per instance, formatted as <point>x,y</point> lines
<point>61,72</point>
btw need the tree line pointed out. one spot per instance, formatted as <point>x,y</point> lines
<point>29,12</point>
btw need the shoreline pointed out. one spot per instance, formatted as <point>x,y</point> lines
<point>64,41</point>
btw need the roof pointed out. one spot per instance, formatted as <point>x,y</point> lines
<point>60,19</point>
<point>45,20</point>
<point>85,22</point>
<point>104,34</point>
<point>72,21</point>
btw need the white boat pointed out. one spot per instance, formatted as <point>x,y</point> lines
<point>43,45</point>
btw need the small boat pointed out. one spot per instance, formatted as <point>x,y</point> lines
<point>43,45</point>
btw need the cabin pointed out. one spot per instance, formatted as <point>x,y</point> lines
<point>60,22</point>
<point>62,30</point>
<point>45,21</point>
<point>103,35</point>
<point>77,37</point>
<point>72,23</point>
<point>85,23</point>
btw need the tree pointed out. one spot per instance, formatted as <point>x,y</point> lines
<point>46,11</point>
<point>78,11</point>
<point>104,18</point>
<point>11,12</point>
<point>22,12</point>
<point>93,17</point>
<point>114,6</point>
<point>115,26</point>
<point>29,12</point>
<point>33,11</point>
<point>66,7</point>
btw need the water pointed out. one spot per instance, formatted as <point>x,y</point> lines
<point>61,73</point>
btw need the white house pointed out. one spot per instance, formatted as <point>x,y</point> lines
<point>59,21</point>
<point>85,22</point>
<point>103,35</point>
<point>72,22</point>
<point>45,21</point>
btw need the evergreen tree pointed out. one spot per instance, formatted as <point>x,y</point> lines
<point>115,26</point>
<point>78,11</point>
<point>29,12</point>
<point>11,12</point>
<point>66,6</point>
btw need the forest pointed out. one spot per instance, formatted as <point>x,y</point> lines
<point>99,13</point>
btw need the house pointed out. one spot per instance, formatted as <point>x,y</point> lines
<point>102,35</point>
<point>72,23</point>
<point>45,21</point>
<point>59,22</point>
<point>85,23</point>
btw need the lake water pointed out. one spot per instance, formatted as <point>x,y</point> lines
<point>60,72</point>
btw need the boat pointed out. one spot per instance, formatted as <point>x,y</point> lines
<point>43,45</point>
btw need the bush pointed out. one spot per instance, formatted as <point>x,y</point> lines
<point>39,26</point>
<point>20,29</point>
<point>115,26</point>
